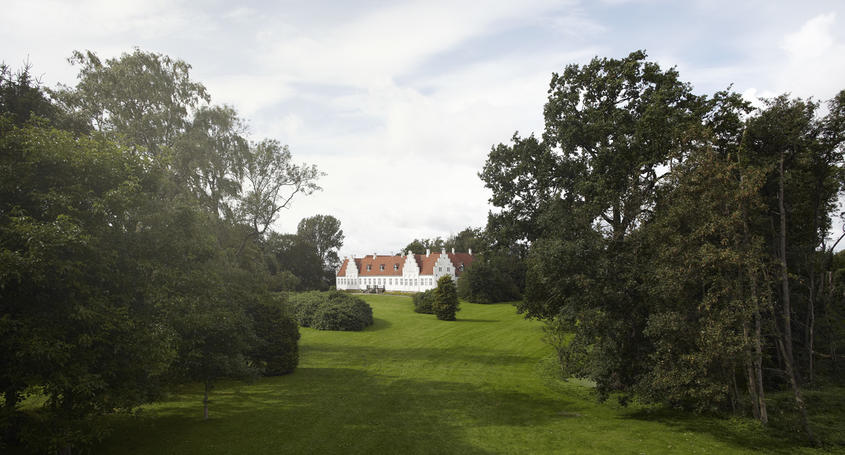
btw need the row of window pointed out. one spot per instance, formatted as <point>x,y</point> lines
<point>396,267</point>
<point>386,281</point>
<point>381,267</point>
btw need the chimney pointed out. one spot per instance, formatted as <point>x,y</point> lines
<point>374,255</point>
<point>453,251</point>
<point>470,251</point>
<point>442,250</point>
<point>427,252</point>
<point>408,253</point>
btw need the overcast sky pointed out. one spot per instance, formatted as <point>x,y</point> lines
<point>399,102</point>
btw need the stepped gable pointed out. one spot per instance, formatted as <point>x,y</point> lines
<point>375,265</point>
<point>425,263</point>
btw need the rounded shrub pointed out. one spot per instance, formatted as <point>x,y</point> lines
<point>424,302</point>
<point>333,310</point>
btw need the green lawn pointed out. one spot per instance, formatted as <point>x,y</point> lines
<point>413,384</point>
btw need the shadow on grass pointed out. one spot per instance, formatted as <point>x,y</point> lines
<point>379,324</point>
<point>331,410</point>
<point>338,355</point>
<point>742,433</point>
<point>477,320</point>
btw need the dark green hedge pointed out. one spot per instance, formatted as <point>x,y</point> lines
<point>424,302</point>
<point>333,310</point>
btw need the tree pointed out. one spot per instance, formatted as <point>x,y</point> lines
<point>75,318</point>
<point>291,253</point>
<point>489,280</point>
<point>419,246</point>
<point>146,97</point>
<point>445,299</point>
<point>126,261</point>
<point>274,180</point>
<point>681,240</point>
<point>610,126</point>
<point>324,232</point>
<point>474,239</point>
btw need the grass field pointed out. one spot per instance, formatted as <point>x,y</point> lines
<point>413,384</point>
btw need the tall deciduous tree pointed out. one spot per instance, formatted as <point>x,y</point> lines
<point>681,239</point>
<point>324,232</point>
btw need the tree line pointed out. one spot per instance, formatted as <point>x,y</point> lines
<point>136,246</point>
<point>678,244</point>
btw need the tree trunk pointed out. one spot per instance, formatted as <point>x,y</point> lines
<point>205,401</point>
<point>810,325</point>
<point>751,374</point>
<point>758,360</point>
<point>785,335</point>
<point>785,291</point>
<point>828,300</point>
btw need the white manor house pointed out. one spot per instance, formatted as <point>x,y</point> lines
<point>406,273</point>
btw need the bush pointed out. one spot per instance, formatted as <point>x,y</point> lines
<point>333,310</point>
<point>445,299</point>
<point>277,352</point>
<point>424,302</point>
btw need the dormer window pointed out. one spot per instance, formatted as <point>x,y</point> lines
<point>381,267</point>
<point>369,267</point>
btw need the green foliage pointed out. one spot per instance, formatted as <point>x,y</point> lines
<point>75,320</point>
<point>418,246</point>
<point>277,351</point>
<point>490,279</point>
<point>295,262</point>
<point>129,259</point>
<point>677,242</point>
<point>469,238</point>
<point>333,310</point>
<point>424,302</point>
<point>324,232</point>
<point>445,303</point>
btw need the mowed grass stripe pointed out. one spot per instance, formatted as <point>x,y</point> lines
<point>413,384</point>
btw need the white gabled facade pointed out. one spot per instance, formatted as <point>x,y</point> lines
<point>405,273</point>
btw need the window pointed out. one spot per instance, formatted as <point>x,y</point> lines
<point>439,269</point>
<point>462,267</point>
<point>381,267</point>
<point>369,267</point>
<point>396,267</point>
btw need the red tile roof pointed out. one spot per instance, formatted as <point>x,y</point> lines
<point>459,259</point>
<point>426,264</point>
<point>342,271</point>
<point>375,266</point>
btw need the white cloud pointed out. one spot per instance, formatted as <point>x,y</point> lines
<point>813,40</point>
<point>815,60</point>
<point>365,94</point>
